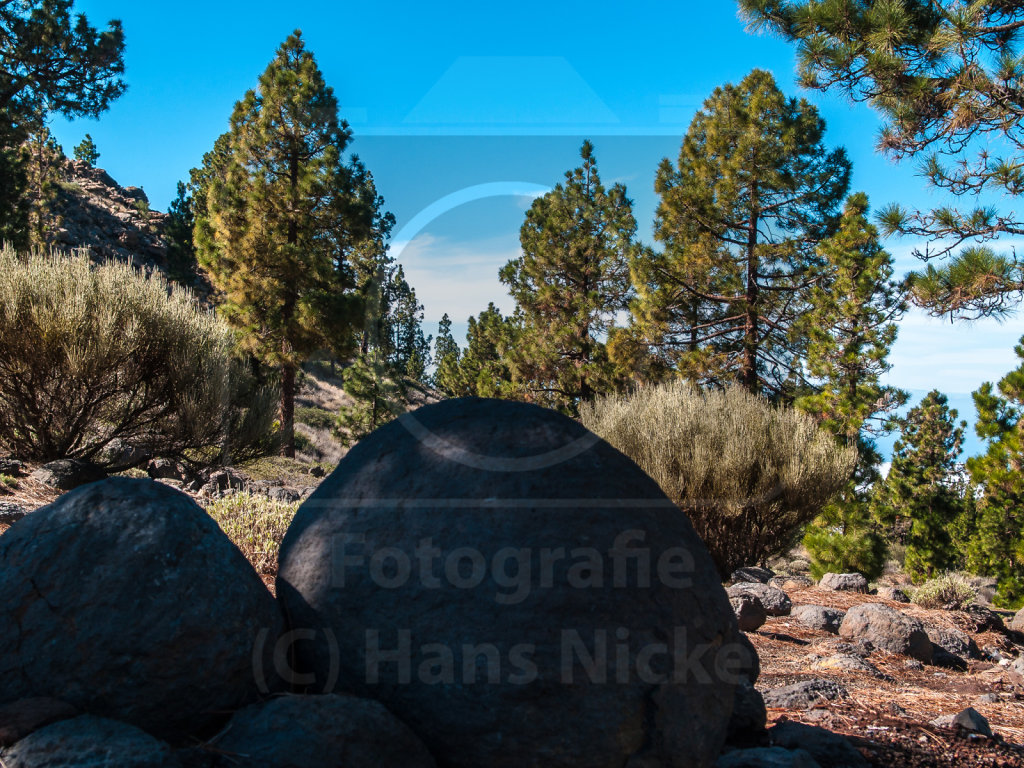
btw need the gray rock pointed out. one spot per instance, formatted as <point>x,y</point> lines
<point>496,673</point>
<point>26,716</point>
<point>893,594</point>
<point>126,600</point>
<point>750,614</point>
<point>969,719</point>
<point>984,587</point>
<point>988,698</point>
<point>118,454</point>
<point>804,694</point>
<point>819,617</point>
<point>89,742</point>
<point>285,495</point>
<point>775,601</point>
<point>984,619</point>
<point>752,573</point>
<point>913,664</point>
<point>827,748</point>
<point>847,662</point>
<point>844,582</point>
<point>1016,624</point>
<point>321,731</point>
<point>1018,666</point>
<point>888,629</point>
<point>11,513</point>
<point>767,757</point>
<point>66,474</point>
<point>954,642</point>
<point>11,467</point>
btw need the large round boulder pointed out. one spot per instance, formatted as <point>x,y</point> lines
<point>329,731</point>
<point>126,600</point>
<point>515,590</point>
<point>888,629</point>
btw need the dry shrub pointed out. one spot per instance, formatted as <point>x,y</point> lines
<point>256,524</point>
<point>749,474</point>
<point>91,355</point>
<point>951,592</point>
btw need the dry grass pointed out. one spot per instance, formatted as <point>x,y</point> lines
<point>256,525</point>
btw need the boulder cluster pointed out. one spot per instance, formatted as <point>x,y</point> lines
<point>480,583</point>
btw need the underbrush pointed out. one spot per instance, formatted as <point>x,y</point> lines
<point>951,592</point>
<point>256,524</point>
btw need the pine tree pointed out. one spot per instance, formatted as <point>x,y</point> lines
<point>48,63</point>
<point>572,278</point>
<point>378,393</point>
<point>947,77</point>
<point>45,165</point>
<point>181,249</point>
<point>753,193</point>
<point>996,546</point>
<point>279,212</point>
<point>86,151</point>
<point>919,494</point>
<point>484,369</point>
<point>446,356</point>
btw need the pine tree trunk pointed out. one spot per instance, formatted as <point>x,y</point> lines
<point>748,375</point>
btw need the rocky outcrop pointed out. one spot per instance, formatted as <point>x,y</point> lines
<point>546,553</point>
<point>126,600</point>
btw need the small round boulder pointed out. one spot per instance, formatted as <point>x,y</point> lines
<point>126,600</point>
<point>844,582</point>
<point>89,742</point>
<point>515,590</point>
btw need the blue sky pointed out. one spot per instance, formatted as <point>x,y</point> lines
<point>463,111</point>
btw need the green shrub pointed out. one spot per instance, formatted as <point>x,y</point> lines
<point>256,524</point>
<point>749,474</point>
<point>842,540</point>
<point>8,481</point>
<point>951,591</point>
<point>93,354</point>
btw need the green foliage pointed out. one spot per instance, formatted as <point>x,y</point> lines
<point>181,250</point>
<point>754,191</point>
<point>569,283</point>
<point>748,473</point>
<point>996,547</point>
<point>947,78</point>
<point>845,538</point>
<point>850,326</point>
<point>256,525</point>
<point>279,211</point>
<point>446,355</point>
<point>8,480</point>
<point>92,355</point>
<point>950,592</point>
<point>49,62</point>
<point>45,165</point>
<point>379,393</point>
<point>86,151</point>
<point>919,494</point>
<point>483,369</point>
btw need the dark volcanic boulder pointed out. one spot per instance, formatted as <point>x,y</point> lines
<point>126,600</point>
<point>844,582</point>
<point>89,742</point>
<point>819,617</point>
<point>66,474</point>
<point>515,590</point>
<point>775,601</point>
<point>888,629</point>
<point>750,614</point>
<point>321,732</point>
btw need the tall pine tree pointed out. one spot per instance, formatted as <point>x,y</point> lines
<point>569,283</point>
<point>281,213</point>
<point>919,494</point>
<point>753,193</point>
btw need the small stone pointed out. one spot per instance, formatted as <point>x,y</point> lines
<point>89,742</point>
<point>972,720</point>
<point>1017,622</point>
<point>11,467</point>
<point>67,474</point>
<point>844,582</point>
<point>791,582</point>
<point>842,662</point>
<point>775,601</point>
<point>11,513</point>
<point>750,613</point>
<point>752,574</point>
<point>988,698</point>
<point>819,617</point>
<point>805,694</point>
<point>913,664</point>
